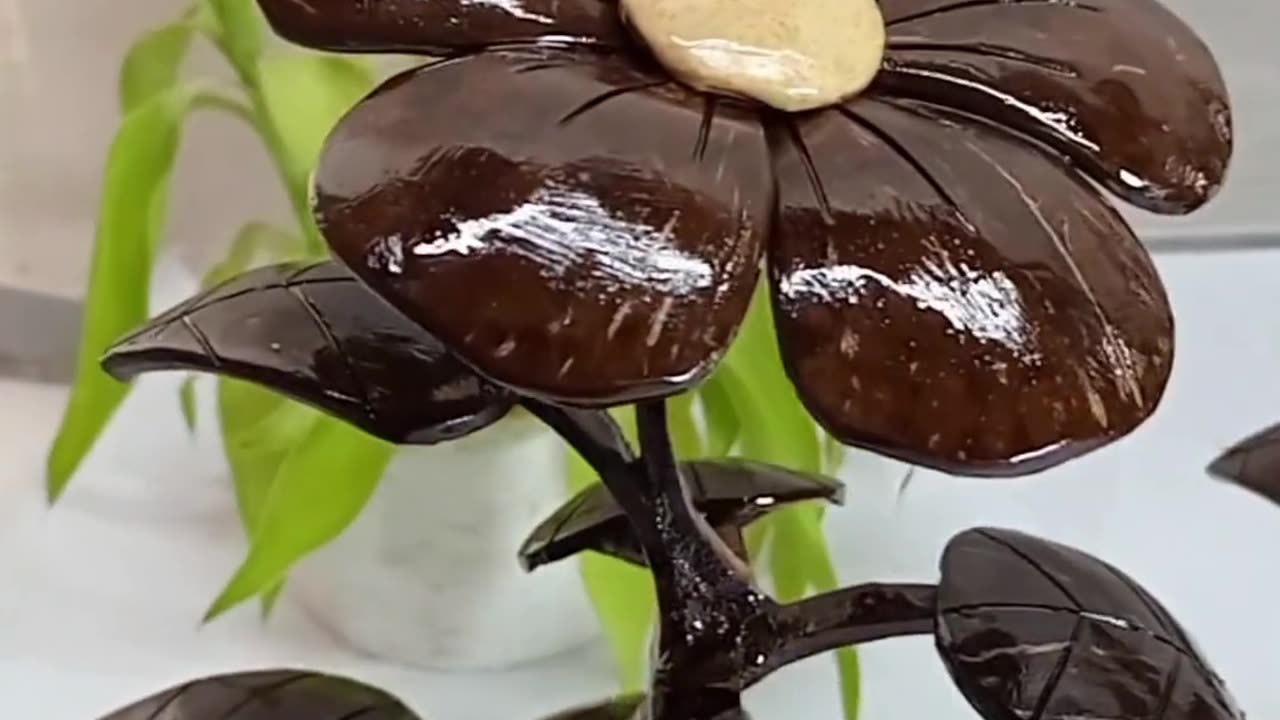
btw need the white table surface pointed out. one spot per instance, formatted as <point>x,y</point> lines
<point>100,597</point>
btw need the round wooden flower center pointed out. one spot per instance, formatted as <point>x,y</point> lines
<point>793,55</point>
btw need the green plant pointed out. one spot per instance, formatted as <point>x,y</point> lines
<point>282,453</point>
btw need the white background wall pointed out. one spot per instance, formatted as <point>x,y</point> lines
<point>70,583</point>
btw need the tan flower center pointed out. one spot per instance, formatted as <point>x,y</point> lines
<point>790,54</point>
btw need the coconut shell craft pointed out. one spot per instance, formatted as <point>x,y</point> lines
<point>569,211</point>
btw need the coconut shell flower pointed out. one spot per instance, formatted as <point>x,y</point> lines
<point>579,197</point>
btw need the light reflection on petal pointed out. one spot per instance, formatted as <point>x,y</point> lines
<point>984,305</point>
<point>561,228</point>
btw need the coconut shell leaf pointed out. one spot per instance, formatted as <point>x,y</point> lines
<point>614,266</point>
<point>1253,463</point>
<point>1139,102</point>
<point>268,695</point>
<point>313,332</point>
<point>730,493</point>
<point>439,26</point>
<point>955,298</point>
<point>1029,628</point>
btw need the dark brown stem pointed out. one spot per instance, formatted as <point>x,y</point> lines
<point>596,437</point>
<point>707,607</point>
<point>849,616</point>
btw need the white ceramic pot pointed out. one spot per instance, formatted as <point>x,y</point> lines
<point>427,575</point>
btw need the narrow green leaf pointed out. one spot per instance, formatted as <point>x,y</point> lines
<point>850,669</point>
<point>320,489</point>
<point>187,402</point>
<point>776,427</point>
<point>269,598</point>
<point>255,242</point>
<point>723,423</point>
<point>153,64</point>
<point>306,94</point>
<point>241,29</point>
<point>622,594</point>
<point>836,453</point>
<point>823,575</point>
<point>790,580</point>
<point>260,429</point>
<point>132,210</point>
<point>685,434</point>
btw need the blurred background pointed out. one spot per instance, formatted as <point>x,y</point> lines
<point>94,607</point>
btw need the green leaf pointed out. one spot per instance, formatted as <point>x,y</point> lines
<point>154,62</point>
<point>256,241</point>
<point>306,94</point>
<point>319,490</point>
<point>824,578</point>
<point>837,453</point>
<point>623,596</point>
<point>685,434</point>
<point>187,402</point>
<point>241,29</point>
<point>776,427</point>
<point>849,667</point>
<point>723,423</point>
<point>260,429</point>
<point>131,216</point>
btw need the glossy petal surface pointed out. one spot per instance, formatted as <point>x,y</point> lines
<point>439,26</point>
<point>1032,629</point>
<point>1253,463</point>
<point>1123,87</point>
<point>509,202</point>
<point>268,695</point>
<point>315,332</point>
<point>947,295</point>
<point>730,494</point>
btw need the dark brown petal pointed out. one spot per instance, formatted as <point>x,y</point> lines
<point>317,334</point>
<point>1253,463</point>
<point>571,226</point>
<point>1123,87</point>
<point>439,26</point>
<point>268,695</point>
<point>1031,628</point>
<point>730,493</point>
<point>948,295</point>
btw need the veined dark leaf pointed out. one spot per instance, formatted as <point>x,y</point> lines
<point>1031,628</point>
<point>269,695</point>
<point>315,333</point>
<point>319,490</point>
<point>133,204</point>
<point>1253,463</point>
<point>730,493</point>
<point>153,64</point>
